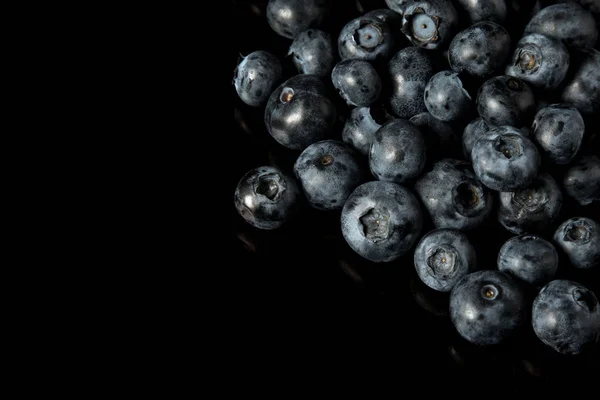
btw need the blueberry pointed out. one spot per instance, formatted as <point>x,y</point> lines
<point>442,257</point>
<point>473,131</point>
<point>583,89</point>
<point>256,76</point>
<point>579,240</point>
<point>480,50</point>
<point>397,152</point>
<point>505,100</point>
<point>558,129</point>
<point>299,113</point>
<point>409,70</point>
<point>266,197</point>
<point>366,38</point>
<point>453,196</point>
<point>568,22</point>
<point>288,18</point>
<point>381,221</point>
<point>392,19</point>
<point>397,5</point>
<point>565,316</point>
<point>529,258</point>
<point>445,97</point>
<point>440,139</point>
<point>429,24</point>
<point>328,172</point>
<point>313,52</point>
<point>505,160</point>
<point>582,180</point>
<point>533,209</point>
<point>484,10</point>
<point>361,125</point>
<point>487,307</point>
<point>357,82</point>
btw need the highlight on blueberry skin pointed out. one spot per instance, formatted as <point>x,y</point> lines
<point>357,82</point>
<point>256,76</point>
<point>582,180</point>
<point>583,89</point>
<point>474,130</point>
<point>328,171</point>
<point>299,113</point>
<point>533,209</point>
<point>480,50</point>
<point>566,317</point>
<point>397,152</point>
<point>313,53</point>
<point>487,307</point>
<point>288,18</point>
<point>453,196</point>
<point>539,60</point>
<point>442,257</point>
<point>505,160</point>
<point>506,100</point>
<point>445,97</point>
<point>558,129</point>
<point>266,197</point>
<point>429,24</point>
<point>361,125</point>
<point>484,10</point>
<point>579,240</point>
<point>366,38</point>
<point>381,221</point>
<point>529,258</point>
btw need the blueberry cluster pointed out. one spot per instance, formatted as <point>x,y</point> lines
<point>423,124</point>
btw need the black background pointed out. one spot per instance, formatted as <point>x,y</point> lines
<point>304,300</point>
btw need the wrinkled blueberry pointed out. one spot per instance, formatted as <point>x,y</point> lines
<point>579,240</point>
<point>484,10</point>
<point>357,82</point>
<point>487,307</point>
<point>429,24</point>
<point>583,89</point>
<point>453,196</point>
<point>505,100</point>
<point>313,52</point>
<point>366,38</point>
<point>533,209</point>
<point>582,180</point>
<point>397,152</point>
<point>530,258</point>
<point>505,160</point>
<point>472,133</point>
<point>566,316</point>
<point>290,17</point>
<point>440,139</point>
<point>361,125</point>
<point>266,198</point>
<point>480,50</point>
<point>256,76</point>
<point>298,112</point>
<point>445,97</point>
<point>381,221</point>
<point>558,129</point>
<point>442,257</point>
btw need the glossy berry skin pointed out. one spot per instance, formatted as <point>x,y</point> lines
<point>256,76</point>
<point>558,130</point>
<point>381,221</point>
<point>506,100</point>
<point>366,38</point>
<point>582,180</point>
<point>288,18</point>
<point>579,240</point>
<point>328,171</point>
<point>429,24</point>
<point>505,160</point>
<point>313,53</point>
<point>566,316</point>
<point>357,82</point>
<point>583,89</point>
<point>484,10</point>
<point>471,134</point>
<point>487,307</point>
<point>480,50</point>
<point>298,112</point>
<point>529,258</point>
<point>442,257</point>
<point>361,125</point>
<point>440,139</point>
<point>453,196</point>
<point>568,22</point>
<point>533,209</point>
<point>397,152</point>
<point>539,60</point>
<point>266,197</point>
<point>410,69</point>
<point>445,97</point>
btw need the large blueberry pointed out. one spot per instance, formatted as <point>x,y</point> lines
<point>583,89</point>
<point>361,125</point>
<point>582,180</point>
<point>566,316</point>
<point>313,52</point>
<point>256,76</point>
<point>366,38</point>
<point>474,130</point>
<point>429,24</point>
<point>530,258</point>
<point>579,240</point>
<point>445,97</point>
<point>506,100</point>
<point>357,82</point>
<point>441,141</point>
<point>290,17</point>
<point>484,10</point>
<point>266,197</point>
<point>487,307</point>
<point>381,221</point>
<point>442,257</point>
<point>558,129</point>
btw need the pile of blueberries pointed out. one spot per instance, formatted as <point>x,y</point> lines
<point>422,121</point>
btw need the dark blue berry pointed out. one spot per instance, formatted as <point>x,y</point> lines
<point>357,82</point>
<point>256,76</point>
<point>579,240</point>
<point>313,52</point>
